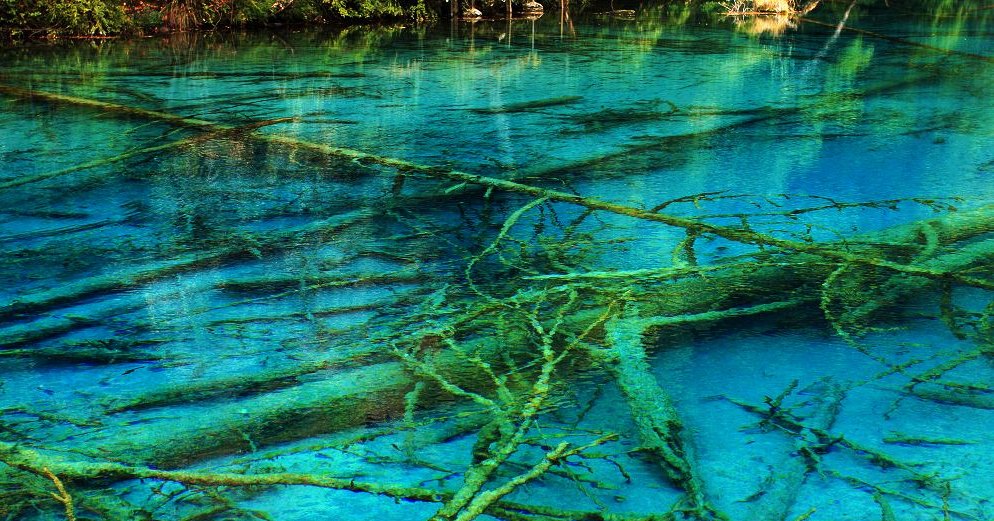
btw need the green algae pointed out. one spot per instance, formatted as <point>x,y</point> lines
<point>529,311</point>
<point>526,106</point>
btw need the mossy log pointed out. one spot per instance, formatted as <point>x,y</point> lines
<point>89,471</point>
<point>789,473</point>
<point>940,393</point>
<point>377,392</point>
<point>347,398</point>
<point>241,246</point>
<point>317,406</point>
<point>661,433</point>
<point>900,286</point>
<point>245,385</point>
<point>899,438</point>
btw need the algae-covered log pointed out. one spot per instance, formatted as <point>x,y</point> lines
<point>342,399</point>
<point>242,385</point>
<point>239,247</point>
<point>943,393</point>
<point>719,296</point>
<point>96,470</point>
<point>661,433</point>
<point>779,492</point>
<point>740,235</point>
<point>900,286</point>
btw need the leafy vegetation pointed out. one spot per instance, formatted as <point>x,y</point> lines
<point>89,18</point>
<point>81,17</point>
<point>106,17</point>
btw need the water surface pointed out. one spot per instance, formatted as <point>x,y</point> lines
<point>740,274</point>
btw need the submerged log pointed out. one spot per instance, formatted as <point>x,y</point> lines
<point>36,462</point>
<point>376,392</point>
<point>898,438</point>
<point>901,286</point>
<point>88,353</point>
<point>789,473</point>
<point>348,398</point>
<point>218,133</point>
<point>360,395</point>
<point>676,142</point>
<point>527,106</point>
<point>240,247</point>
<point>944,394</point>
<point>244,385</point>
<point>660,430</point>
<point>695,226</point>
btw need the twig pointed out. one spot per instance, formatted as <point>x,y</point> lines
<point>63,496</point>
<point>483,501</point>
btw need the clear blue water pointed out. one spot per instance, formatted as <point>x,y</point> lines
<point>258,289</point>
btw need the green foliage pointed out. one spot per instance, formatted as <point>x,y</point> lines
<point>93,17</point>
<point>238,12</point>
<point>146,19</point>
<point>104,17</point>
<point>77,17</point>
<point>713,7</point>
<point>301,11</point>
<point>14,13</point>
<point>420,13</point>
<point>363,9</point>
<point>182,15</point>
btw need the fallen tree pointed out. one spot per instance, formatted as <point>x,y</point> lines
<point>547,326</point>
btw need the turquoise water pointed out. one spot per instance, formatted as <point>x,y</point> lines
<point>303,275</point>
